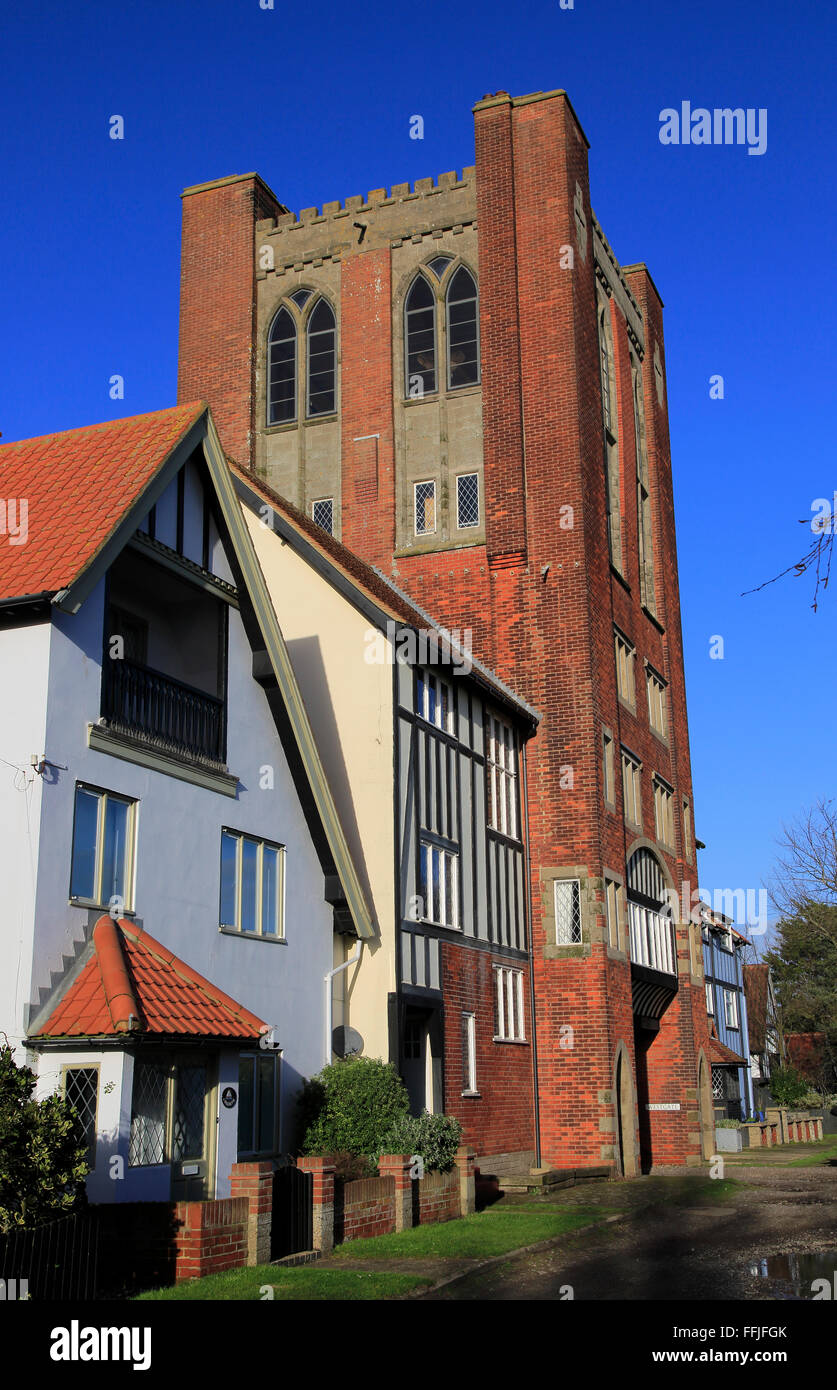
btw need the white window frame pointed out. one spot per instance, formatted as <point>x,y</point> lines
<point>448,860</point>
<point>469,1053</point>
<point>558,886</point>
<point>731,1010</point>
<point>129,859</point>
<point>235,928</point>
<point>319,502</point>
<point>424,680</point>
<point>501,768</point>
<point>710,998</point>
<point>427,530</point>
<point>467,525</point>
<point>510,1017</point>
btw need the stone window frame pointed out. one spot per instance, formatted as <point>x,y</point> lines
<point>440,286</point>
<point>663,812</point>
<point>636,761</point>
<point>319,502</point>
<point>619,950</point>
<point>688,829</point>
<point>621,642</point>
<point>645,511</point>
<point>589,910</point>
<point>300,317</point>
<point>610,430</point>
<point>653,677</point>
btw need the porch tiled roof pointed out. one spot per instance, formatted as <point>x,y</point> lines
<point>133,985</point>
<point>78,486</point>
<point>720,1055</point>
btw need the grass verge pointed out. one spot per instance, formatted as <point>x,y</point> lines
<point>491,1232</point>
<point>267,1282</point>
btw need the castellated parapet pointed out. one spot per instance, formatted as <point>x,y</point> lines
<point>407,212</point>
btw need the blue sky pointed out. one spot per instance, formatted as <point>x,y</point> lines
<point>319,101</point>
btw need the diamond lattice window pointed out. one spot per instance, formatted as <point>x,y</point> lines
<point>81,1087</point>
<point>425,494</point>
<point>467,500</point>
<point>567,912</point>
<point>322,513</point>
<point>718,1083</point>
<point>187,1141</point>
<point>148,1115</point>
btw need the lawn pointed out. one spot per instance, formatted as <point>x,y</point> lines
<point>491,1232</point>
<point>819,1155</point>
<point>301,1282</point>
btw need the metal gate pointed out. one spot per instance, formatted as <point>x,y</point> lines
<point>55,1261</point>
<point>292,1228</point>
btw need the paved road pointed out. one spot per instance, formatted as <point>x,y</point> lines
<point>684,1250</point>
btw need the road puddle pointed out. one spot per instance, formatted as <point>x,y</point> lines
<point>812,1275</point>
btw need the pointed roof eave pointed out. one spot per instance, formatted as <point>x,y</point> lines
<point>70,599</point>
<point>286,680</point>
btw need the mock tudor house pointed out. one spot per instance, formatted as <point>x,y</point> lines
<point>726,1007</point>
<point>174,868</point>
<point>460,381</point>
<point>764,1029</point>
<point>425,752</point>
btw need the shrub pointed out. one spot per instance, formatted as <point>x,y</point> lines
<point>787,1086</point>
<point>350,1105</point>
<point>434,1137</point>
<point>727,1124</point>
<point>43,1152</point>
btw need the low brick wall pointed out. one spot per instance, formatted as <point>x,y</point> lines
<point>364,1208</point>
<point>438,1197</point>
<point>213,1236</point>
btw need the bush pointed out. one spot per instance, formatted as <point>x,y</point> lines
<point>787,1086</point>
<point>434,1137</point>
<point>349,1106</point>
<point>727,1124</point>
<point>43,1152</point>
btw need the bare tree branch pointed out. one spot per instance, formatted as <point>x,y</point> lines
<point>817,558</point>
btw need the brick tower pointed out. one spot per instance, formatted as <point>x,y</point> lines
<point>460,380</point>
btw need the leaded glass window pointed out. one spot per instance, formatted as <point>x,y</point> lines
<point>462,330</point>
<point>567,911</point>
<point>281,370</point>
<point>148,1114</point>
<point>81,1089</point>
<point>425,508</point>
<point>467,500</point>
<point>322,360</point>
<point>420,339</point>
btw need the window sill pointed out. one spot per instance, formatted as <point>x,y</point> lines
<point>253,936</point>
<point>90,905</point>
<point>515,1042</point>
<point>629,705</point>
<point>429,544</point>
<point>440,926</point>
<point>652,618</point>
<point>471,1095</point>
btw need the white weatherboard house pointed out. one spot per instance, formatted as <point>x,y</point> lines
<point>174,869</point>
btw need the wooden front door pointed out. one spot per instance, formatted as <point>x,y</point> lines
<point>192,1129</point>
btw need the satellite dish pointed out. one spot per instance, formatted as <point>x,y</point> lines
<point>346,1042</point>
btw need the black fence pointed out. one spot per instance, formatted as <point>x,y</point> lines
<point>163,709</point>
<point>58,1260</point>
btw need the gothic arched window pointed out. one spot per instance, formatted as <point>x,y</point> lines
<point>420,338</point>
<point>462,330</point>
<point>322,360</point>
<point>281,370</point>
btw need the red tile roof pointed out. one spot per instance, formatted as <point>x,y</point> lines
<point>78,486</point>
<point>720,1054</point>
<point>133,985</point>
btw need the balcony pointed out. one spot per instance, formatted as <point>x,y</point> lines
<point>652,940</point>
<point>172,716</point>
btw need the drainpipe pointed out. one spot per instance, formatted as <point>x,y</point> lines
<point>329,999</point>
<point>536,1091</point>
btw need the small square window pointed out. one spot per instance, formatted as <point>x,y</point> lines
<point>467,500</point>
<point>425,508</point>
<point>322,513</point>
<point>567,911</point>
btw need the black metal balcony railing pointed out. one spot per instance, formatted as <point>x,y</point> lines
<point>170,714</point>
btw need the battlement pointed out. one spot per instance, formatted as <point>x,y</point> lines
<point>398,194</point>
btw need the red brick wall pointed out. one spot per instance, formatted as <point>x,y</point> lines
<point>218,304</point>
<point>438,1197</point>
<point>368,1208</point>
<point>212,1236</point>
<point>368,466</point>
<point>501,1118</point>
